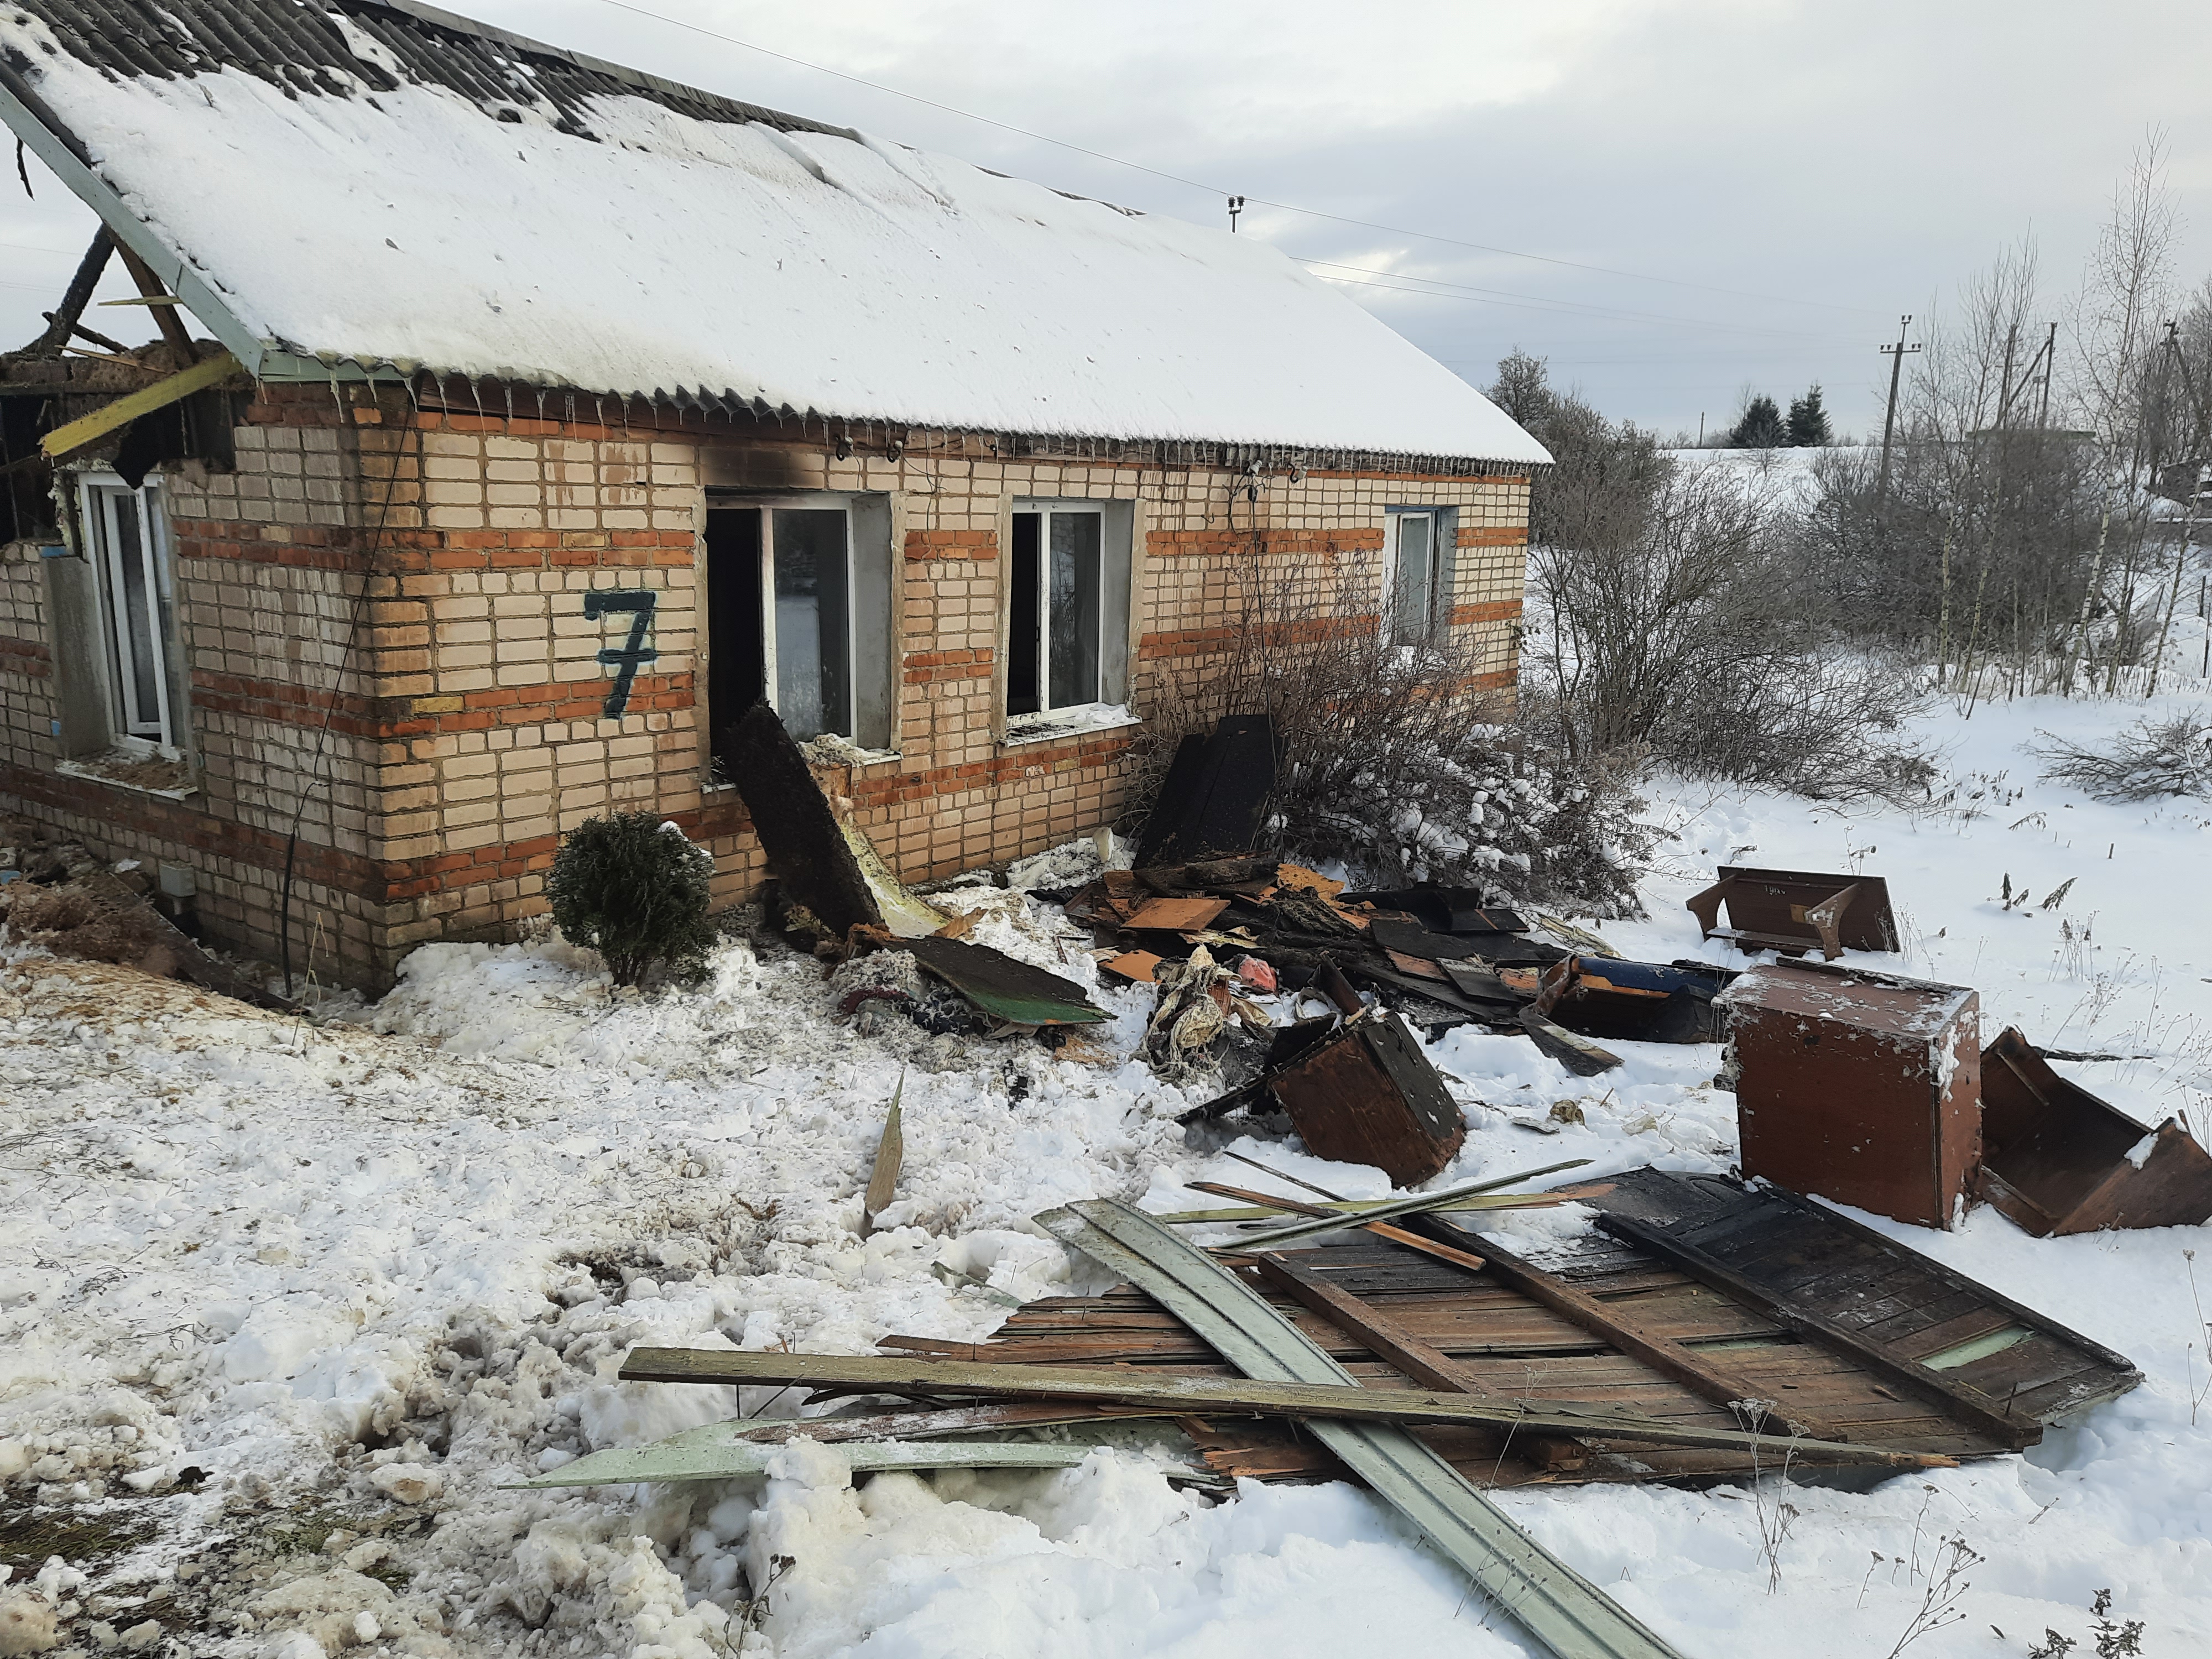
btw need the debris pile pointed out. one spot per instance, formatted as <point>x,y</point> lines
<point>1665,1346</point>
<point>55,894</point>
<point>1873,1089</point>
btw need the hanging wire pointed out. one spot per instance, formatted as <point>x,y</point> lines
<point>316,772</point>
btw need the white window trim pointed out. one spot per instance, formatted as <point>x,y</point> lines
<point>96,491</point>
<point>1072,715</point>
<point>1390,548</point>
<point>818,503</point>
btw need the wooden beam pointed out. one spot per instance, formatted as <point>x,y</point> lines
<point>1662,1354</point>
<point>65,440</point>
<point>1956,1400</point>
<point>151,287</point>
<point>1383,1336</point>
<point>1203,1395</point>
<point>63,319</point>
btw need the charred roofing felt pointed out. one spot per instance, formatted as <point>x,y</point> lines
<point>379,185</point>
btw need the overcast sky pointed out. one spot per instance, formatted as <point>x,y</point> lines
<point>1766,184</point>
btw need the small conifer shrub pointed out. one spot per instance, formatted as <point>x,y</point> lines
<point>631,887</point>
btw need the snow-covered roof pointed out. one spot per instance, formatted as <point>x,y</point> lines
<point>375,183</point>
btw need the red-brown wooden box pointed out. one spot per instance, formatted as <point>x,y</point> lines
<point>1860,1087</point>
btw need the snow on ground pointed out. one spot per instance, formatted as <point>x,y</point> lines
<point>283,1304</point>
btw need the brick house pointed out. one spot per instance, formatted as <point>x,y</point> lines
<point>566,411</point>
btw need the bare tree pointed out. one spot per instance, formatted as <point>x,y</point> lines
<point>2119,386</point>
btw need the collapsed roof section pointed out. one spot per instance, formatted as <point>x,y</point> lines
<point>374,185</point>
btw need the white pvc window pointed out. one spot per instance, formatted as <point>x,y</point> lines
<point>1412,577</point>
<point>1056,639</point>
<point>806,593</point>
<point>136,609</point>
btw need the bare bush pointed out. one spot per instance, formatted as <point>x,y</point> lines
<point>1683,629</point>
<point>2152,759</point>
<point>1396,766</point>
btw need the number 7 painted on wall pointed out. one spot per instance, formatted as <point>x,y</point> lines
<point>627,657</point>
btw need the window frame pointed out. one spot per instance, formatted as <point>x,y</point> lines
<point>872,600</point>
<point>842,506</point>
<point>99,494</point>
<point>1392,566</point>
<point>1046,710</point>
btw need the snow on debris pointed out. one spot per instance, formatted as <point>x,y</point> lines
<point>361,1275</point>
<point>807,270</point>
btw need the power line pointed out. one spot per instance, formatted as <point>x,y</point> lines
<point>1194,184</point>
<point>1560,308</point>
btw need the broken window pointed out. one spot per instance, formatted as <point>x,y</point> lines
<point>1414,575</point>
<point>799,615</point>
<point>126,536</point>
<point>1068,606</point>
<point>27,502</point>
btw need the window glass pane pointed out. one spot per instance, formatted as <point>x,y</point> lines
<point>136,602</point>
<point>1409,605</point>
<point>1075,608</point>
<point>1022,692</point>
<point>813,632</point>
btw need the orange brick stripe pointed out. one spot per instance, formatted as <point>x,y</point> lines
<point>374,881</point>
<point>417,552</point>
<point>1487,610</point>
<point>1078,754</point>
<point>384,718</point>
<point>1493,535</point>
<point>27,657</point>
<point>926,667</point>
<point>952,543</point>
<point>222,839</point>
<point>499,861</point>
<point>1204,642</point>
<point>387,881</point>
<point>1185,543</point>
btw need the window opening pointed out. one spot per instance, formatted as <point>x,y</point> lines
<point>135,608</point>
<point>1412,584</point>
<point>1057,614</point>
<point>783,614</point>
<point>812,645</point>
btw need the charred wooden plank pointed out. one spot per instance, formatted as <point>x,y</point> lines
<point>1970,1404</point>
<point>1103,1386</point>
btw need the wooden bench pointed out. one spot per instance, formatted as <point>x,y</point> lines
<point>1793,911</point>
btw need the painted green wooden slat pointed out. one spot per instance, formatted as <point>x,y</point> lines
<point>717,1452</point>
<point>919,1375</point>
<point>1980,1347</point>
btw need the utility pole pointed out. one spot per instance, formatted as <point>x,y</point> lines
<point>1897,355</point>
<point>2050,356</point>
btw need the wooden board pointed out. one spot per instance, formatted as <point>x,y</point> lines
<point>1499,1341</point>
<point>1174,915</point>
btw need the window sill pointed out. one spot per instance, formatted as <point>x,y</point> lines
<point>843,752</point>
<point>164,780</point>
<point>1058,725</point>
